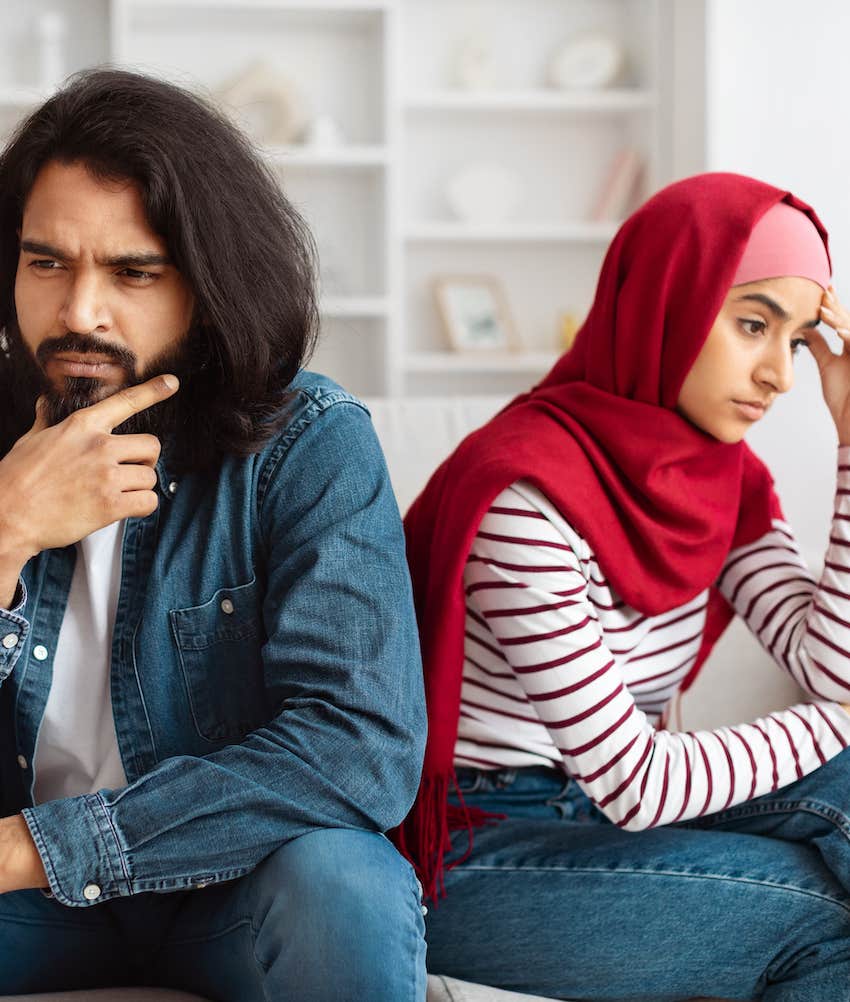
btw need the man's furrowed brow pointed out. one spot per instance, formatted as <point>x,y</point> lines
<point>771,304</point>
<point>141,260</point>
<point>131,259</point>
<point>35,247</point>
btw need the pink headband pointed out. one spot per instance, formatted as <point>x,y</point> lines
<point>784,242</point>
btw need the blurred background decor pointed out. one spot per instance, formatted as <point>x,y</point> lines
<point>266,104</point>
<point>397,97</point>
<point>474,313</point>
<point>419,138</point>
<point>587,63</point>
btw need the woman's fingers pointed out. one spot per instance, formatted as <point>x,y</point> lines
<point>839,322</point>
<point>834,313</point>
<point>816,343</point>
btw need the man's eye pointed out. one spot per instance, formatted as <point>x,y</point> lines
<point>137,275</point>
<point>44,264</point>
<point>753,326</point>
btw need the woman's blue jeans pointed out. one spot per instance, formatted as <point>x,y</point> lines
<point>749,903</point>
<point>331,915</point>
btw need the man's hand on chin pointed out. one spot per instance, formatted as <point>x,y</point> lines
<point>20,864</point>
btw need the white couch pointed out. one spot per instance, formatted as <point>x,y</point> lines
<point>416,436</point>
<point>440,989</point>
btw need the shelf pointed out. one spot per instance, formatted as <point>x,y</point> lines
<point>620,100</point>
<point>310,6</point>
<point>386,72</point>
<point>517,361</point>
<point>353,306</point>
<point>511,232</point>
<point>339,157</point>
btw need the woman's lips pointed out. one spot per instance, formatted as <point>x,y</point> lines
<point>749,409</point>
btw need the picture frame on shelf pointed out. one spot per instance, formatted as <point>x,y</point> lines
<point>474,313</point>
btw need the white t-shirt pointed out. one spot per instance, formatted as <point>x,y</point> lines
<point>77,749</point>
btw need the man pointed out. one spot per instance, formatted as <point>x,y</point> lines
<point>210,690</point>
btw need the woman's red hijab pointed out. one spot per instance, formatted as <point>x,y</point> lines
<point>660,502</point>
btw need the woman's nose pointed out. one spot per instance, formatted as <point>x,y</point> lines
<point>776,369</point>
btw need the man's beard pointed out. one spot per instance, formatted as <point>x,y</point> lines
<point>77,392</point>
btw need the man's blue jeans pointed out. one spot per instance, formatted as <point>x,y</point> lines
<point>334,914</point>
<point>749,903</point>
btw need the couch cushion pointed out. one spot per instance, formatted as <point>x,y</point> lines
<point>417,435</point>
<point>443,989</point>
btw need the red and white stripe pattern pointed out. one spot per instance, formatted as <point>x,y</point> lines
<point>559,671</point>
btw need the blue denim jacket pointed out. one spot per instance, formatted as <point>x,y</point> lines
<point>265,666</point>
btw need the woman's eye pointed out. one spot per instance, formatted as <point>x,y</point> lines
<point>754,327</point>
<point>797,344</point>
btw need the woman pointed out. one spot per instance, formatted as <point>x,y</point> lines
<point>573,563</point>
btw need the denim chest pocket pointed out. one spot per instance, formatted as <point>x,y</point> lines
<point>220,649</point>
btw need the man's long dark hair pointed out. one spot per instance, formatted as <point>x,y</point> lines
<point>243,249</point>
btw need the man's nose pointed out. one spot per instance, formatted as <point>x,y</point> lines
<point>85,309</point>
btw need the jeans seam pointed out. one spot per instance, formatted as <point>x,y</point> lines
<point>236,924</point>
<point>416,888</point>
<point>836,818</point>
<point>620,871</point>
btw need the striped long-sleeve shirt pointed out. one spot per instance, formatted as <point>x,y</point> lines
<point>559,671</point>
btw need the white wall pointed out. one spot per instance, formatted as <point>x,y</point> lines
<point>776,79</point>
<point>85,42</point>
<point>777,76</point>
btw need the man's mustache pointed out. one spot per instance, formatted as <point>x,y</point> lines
<point>86,344</point>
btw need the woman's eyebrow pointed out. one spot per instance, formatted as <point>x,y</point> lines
<point>775,308</point>
<point>771,304</point>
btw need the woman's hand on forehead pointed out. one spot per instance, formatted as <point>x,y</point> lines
<point>834,368</point>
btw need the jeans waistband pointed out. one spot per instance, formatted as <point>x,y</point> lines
<point>536,791</point>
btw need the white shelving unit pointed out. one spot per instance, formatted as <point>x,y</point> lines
<point>510,232</point>
<point>614,100</point>
<point>385,72</point>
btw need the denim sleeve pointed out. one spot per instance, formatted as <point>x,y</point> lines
<point>343,671</point>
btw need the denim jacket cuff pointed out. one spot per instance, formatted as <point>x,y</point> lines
<point>79,849</point>
<point>13,631</point>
